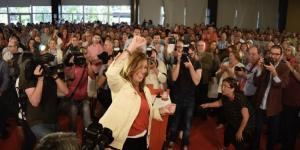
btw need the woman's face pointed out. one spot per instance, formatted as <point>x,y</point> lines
<point>31,43</point>
<point>226,89</point>
<point>232,57</point>
<point>141,72</point>
<point>213,45</point>
<point>52,44</point>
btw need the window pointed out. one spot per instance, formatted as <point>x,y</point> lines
<point>3,15</point>
<point>41,9</point>
<point>41,14</point>
<point>257,20</point>
<point>162,15</point>
<point>4,18</point>
<point>95,9</point>
<point>119,14</point>
<point>3,10</point>
<point>19,10</point>
<point>207,16</point>
<point>72,9</point>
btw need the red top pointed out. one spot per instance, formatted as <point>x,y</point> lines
<point>141,122</point>
<point>81,91</point>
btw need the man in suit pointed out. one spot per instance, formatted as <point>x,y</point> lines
<point>271,78</point>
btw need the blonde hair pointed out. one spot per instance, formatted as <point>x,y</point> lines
<point>134,63</point>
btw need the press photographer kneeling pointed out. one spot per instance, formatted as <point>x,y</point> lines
<point>41,84</point>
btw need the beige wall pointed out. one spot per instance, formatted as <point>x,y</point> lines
<point>293,15</point>
<point>150,9</point>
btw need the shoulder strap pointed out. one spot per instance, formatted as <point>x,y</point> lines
<point>73,93</point>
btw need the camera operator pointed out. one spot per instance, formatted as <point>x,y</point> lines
<point>41,90</point>
<point>104,92</point>
<point>186,73</point>
<point>131,112</point>
<point>76,71</point>
<point>157,75</point>
<point>271,78</point>
<point>4,81</point>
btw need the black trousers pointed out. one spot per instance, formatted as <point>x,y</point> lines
<point>229,138</point>
<point>136,143</point>
<point>290,123</point>
<point>273,124</point>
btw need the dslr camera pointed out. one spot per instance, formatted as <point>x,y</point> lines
<point>185,55</point>
<point>149,53</point>
<point>97,136</point>
<point>116,51</point>
<point>268,61</point>
<point>172,40</point>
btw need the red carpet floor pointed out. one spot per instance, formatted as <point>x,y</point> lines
<point>204,136</point>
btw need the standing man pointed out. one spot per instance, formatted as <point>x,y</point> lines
<point>270,79</point>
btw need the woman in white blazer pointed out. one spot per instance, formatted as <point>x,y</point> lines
<point>130,114</point>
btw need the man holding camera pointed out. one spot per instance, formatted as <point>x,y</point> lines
<point>186,73</point>
<point>157,70</point>
<point>248,74</point>
<point>41,90</point>
<point>271,78</point>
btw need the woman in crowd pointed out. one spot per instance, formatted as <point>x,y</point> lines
<point>239,115</point>
<point>129,116</point>
<point>52,49</point>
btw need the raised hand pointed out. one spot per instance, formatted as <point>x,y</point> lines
<point>136,43</point>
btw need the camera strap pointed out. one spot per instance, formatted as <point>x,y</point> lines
<point>73,93</point>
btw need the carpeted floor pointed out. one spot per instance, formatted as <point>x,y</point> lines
<point>204,136</point>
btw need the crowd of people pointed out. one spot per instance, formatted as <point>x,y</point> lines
<point>104,73</point>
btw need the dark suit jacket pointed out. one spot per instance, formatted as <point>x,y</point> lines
<point>274,105</point>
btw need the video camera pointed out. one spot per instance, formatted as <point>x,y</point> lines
<point>104,57</point>
<point>96,135</point>
<point>79,59</point>
<point>46,61</point>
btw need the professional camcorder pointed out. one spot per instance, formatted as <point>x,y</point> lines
<point>97,136</point>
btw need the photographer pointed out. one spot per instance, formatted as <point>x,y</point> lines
<point>130,114</point>
<point>248,73</point>
<point>271,78</point>
<point>157,75</point>
<point>41,86</point>
<point>186,74</point>
<point>239,115</point>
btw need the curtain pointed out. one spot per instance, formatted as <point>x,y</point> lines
<point>244,13</point>
<point>150,10</point>
<point>195,11</point>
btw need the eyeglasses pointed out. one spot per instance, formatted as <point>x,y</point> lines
<point>223,85</point>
